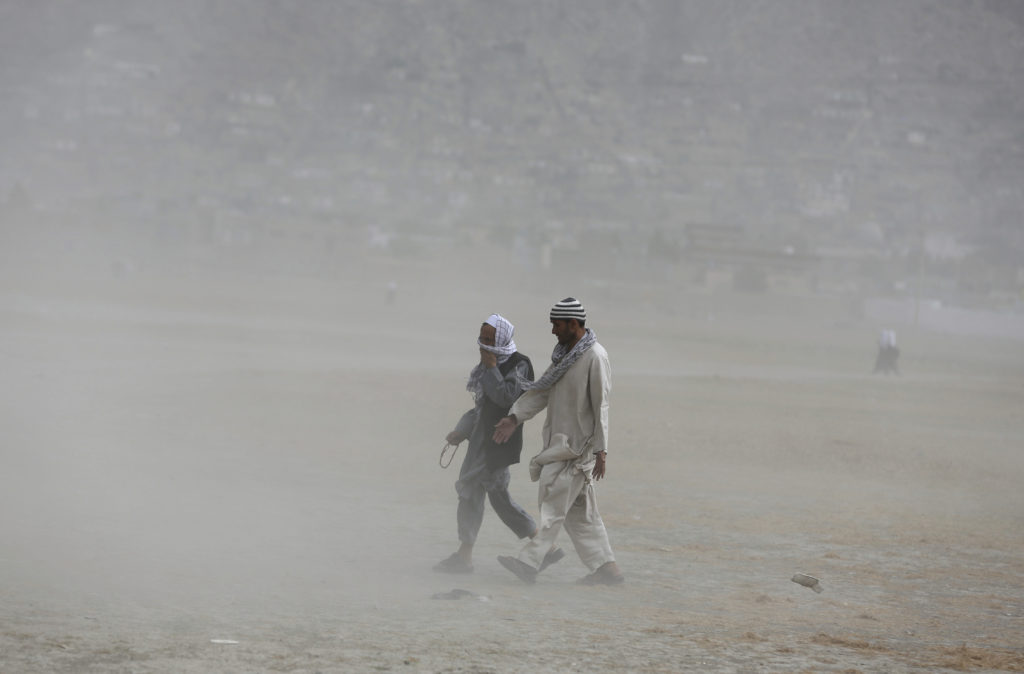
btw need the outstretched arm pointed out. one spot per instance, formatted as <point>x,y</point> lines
<point>504,429</point>
<point>524,409</point>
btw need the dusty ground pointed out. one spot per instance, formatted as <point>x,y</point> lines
<point>255,460</point>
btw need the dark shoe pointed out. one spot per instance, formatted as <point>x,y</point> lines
<point>453,564</point>
<point>600,577</point>
<point>523,571</point>
<point>554,555</point>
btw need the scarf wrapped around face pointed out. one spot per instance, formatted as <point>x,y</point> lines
<point>504,346</point>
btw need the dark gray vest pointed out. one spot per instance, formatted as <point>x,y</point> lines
<point>499,456</point>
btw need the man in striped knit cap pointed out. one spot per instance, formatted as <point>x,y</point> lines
<point>575,390</point>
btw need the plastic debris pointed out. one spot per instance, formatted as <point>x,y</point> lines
<point>808,581</point>
<point>459,593</point>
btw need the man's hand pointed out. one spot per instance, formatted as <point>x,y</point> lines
<point>598,472</point>
<point>488,359</point>
<point>504,429</point>
<point>453,438</point>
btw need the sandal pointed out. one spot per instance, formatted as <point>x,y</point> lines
<point>554,555</point>
<point>601,578</point>
<point>523,571</point>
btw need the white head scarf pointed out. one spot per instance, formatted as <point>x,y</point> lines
<point>504,347</point>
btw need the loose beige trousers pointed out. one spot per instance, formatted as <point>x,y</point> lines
<point>566,498</point>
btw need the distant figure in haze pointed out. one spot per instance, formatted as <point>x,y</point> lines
<point>888,353</point>
<point>495,382</point>
<point>392,291</point>
<point>575,390</point>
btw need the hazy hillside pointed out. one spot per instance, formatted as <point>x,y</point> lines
<point>804,123</point>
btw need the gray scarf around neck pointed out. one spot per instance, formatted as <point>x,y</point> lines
<point>561,360</point>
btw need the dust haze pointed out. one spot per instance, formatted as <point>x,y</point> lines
<point>245,250</point>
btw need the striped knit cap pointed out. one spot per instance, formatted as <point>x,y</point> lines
<point>568,308</point>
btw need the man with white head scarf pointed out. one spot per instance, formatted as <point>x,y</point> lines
<point>495,383</point>
<point>888,353</point>
<point>575,391</point>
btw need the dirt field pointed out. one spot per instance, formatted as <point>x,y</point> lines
<point>253,460</point>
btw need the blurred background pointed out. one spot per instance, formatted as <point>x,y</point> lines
<point>869,152</point>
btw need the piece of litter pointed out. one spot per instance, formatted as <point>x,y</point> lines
<point>223,641</point>
<point>808,581</point>
<point>459,593</point>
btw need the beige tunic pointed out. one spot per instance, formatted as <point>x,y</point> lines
<point>576,427</point>
<point>577,406</point>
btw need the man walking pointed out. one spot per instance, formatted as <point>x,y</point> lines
<point>575,390</point>
<point>888,353</point>
<point>495,382</point>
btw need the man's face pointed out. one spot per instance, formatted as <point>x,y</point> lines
<point>563,330</point>
<point>487,333</point>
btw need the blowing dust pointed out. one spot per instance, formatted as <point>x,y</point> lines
<point>219,472</point>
